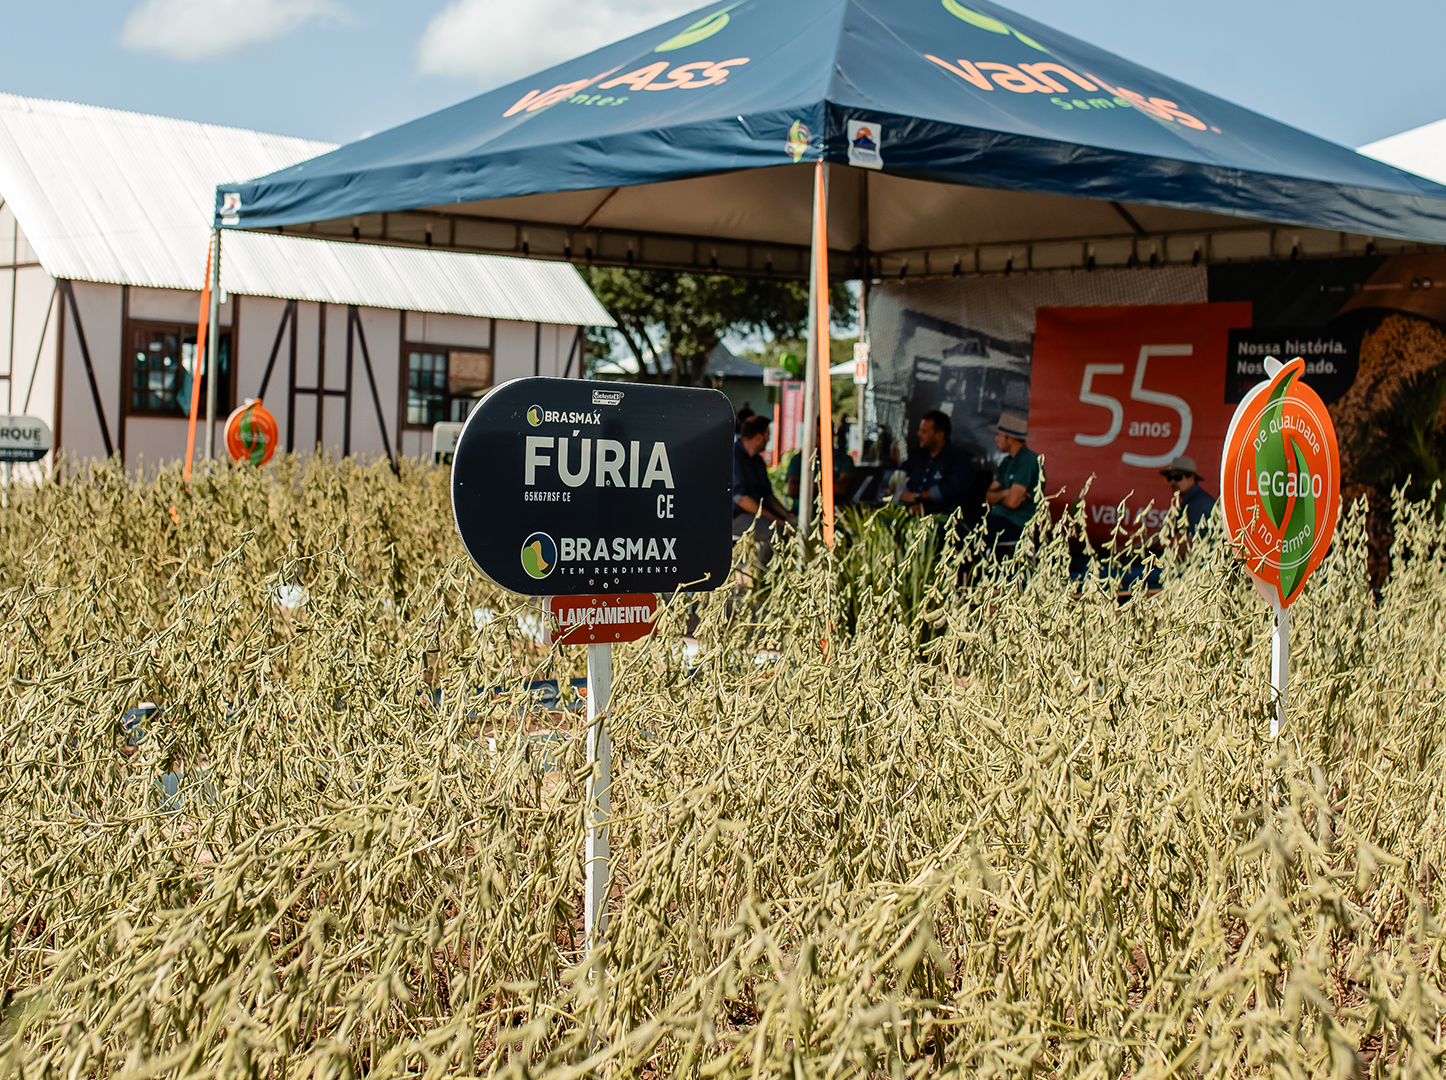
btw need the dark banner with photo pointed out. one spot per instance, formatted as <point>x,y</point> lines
<point>1093,358</point>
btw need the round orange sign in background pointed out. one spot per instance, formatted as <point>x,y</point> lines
<point>1280,481</point>
<point>251,434</point>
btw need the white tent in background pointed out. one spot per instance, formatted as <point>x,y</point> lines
<point>1421,150</point>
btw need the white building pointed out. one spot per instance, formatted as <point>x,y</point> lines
<point>104,227</point>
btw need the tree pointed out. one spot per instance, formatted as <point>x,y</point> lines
<point>1405,445</point>
<point>684,316</point>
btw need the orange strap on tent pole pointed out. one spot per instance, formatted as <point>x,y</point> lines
<point>824,353</point>
<point>196,361</point>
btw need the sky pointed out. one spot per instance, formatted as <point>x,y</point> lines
<point>341,69</point>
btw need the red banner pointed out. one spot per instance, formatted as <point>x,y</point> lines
<point>1116,393</point>
<point>600,619</point>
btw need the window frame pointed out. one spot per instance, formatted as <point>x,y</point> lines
<point>226,388</point>
<point>433,348</point>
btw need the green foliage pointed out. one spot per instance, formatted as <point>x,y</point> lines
<point>1009,828</point>
<point>1405,444</point>
<point>685,316</point>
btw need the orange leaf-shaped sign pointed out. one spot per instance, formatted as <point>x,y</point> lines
<point>1280,481</point>
<point>252,434</point>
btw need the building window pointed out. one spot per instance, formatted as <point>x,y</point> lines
<point>444,384</point>
<point>426,388</point>
<point>161,359</point>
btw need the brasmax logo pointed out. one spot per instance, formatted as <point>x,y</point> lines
<point>539,555</point>
<point>537,417</point>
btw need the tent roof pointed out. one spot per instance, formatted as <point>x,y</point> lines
<point>724,363</point>
<point>125,198</point>
<point>1002,142</point>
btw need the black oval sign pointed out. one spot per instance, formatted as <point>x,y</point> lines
<point>569,486</point>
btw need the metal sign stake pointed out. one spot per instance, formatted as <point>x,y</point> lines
<point>1279,666</point>
<point>599,795</point>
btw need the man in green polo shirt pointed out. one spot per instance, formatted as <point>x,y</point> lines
<point>1011,495</point>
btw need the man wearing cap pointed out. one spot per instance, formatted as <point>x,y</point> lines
<point>1011,495</point>
<point>1195,502</point>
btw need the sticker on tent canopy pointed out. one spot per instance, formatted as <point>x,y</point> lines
<point>798,141</point>
<point>1280,480</point>
<point>865,140</point>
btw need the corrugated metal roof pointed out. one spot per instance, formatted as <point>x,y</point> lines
<point>409,278</point>
<point>128,198</point>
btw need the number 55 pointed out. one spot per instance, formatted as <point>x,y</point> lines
<point>1137,393</point>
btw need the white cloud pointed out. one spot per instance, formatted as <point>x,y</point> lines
<point>201,29</point>
<point>496,41</point>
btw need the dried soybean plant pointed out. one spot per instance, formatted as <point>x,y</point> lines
<point>902,810</point>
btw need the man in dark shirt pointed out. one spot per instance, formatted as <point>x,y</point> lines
<point>754,504</point>
<point>1195,502</point>
<point>940,474</point>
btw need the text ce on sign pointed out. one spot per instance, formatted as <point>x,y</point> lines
<point>564,485</point>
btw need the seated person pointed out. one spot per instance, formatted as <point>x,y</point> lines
<point>754,504</point>
<point>1195,502</point>
<point>843,477</point>
<point>940,474</point>
<point>1011,496</point>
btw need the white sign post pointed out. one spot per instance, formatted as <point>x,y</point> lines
<point>1280,495</point>
<point>584,619</point>
<point>536,518</point>
<point>598,855</point>
<point>1279,664</point>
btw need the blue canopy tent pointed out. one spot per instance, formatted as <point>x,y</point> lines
<point>957,139</point>
<point>975,132</point>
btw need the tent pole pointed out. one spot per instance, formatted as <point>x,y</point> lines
<point>212,341</point>
<point>825,353</point>
<point>810,394</point>
<point>865,280</point>
<point>202,326</point>
<point>864,275</point>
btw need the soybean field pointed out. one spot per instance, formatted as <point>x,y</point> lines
<point>892,811</point>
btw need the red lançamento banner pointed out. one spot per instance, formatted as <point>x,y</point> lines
<point>594,619</point>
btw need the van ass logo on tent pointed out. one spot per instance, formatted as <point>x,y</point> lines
<point>660,75</point>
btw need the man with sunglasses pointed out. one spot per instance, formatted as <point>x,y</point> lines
<point>1195,502</point>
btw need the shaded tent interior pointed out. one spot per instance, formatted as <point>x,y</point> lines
<point>758,221</point>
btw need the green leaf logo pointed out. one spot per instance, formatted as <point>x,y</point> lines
<point>252,437</point>
<point>1271,457</point>
<point>1295,545</point>
<point>987,22</point>
<point>704,28</point>
<point>539,555</point>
